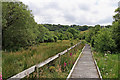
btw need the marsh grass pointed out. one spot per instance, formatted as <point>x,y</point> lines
<point>108,64</point>
<point>59,68</point>
<point>15,62</point>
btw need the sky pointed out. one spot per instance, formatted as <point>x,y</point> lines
<point>68,12</point>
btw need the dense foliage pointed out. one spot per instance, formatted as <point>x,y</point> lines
<point>103,41</point>
<point>65,27</point>
<point>17,27</point>
<point>116,28</point>
<point>106,39</point>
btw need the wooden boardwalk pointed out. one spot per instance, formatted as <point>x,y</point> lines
<point>85,67</point>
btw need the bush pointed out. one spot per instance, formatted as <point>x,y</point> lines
<point>103,41</point>
<point>72,43</point>
<point>55,38</point>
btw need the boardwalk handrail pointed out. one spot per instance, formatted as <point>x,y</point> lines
<point>33,68</point>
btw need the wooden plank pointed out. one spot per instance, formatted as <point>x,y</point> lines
<point>32,69</point>
<point>84,67</point>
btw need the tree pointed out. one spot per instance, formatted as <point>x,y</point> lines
<point>73,31</point>
<point>116,34</point>
<point>89,35</point>
<point>92,32</point>
<point>67,35</point>
<point>103,41</point>
<point>18,26</point>
<point>117,15</point>
<point>55,38</point>
<point>45,35</point>
<point>116,28</point>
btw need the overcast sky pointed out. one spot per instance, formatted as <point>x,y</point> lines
<point>81,12</point>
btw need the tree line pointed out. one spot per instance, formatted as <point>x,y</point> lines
<point>19,30</point>
<point>53,27</point>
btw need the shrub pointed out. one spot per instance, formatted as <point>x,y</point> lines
<point>55,38</point>
<point>71,43</point>
<point>103,41</point>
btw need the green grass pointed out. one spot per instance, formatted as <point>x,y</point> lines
<point>108,64</point>
<point>86,31</point>
<point>57,69</point>
<point>15,62</point>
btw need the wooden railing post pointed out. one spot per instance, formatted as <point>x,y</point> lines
<point>37,71</point>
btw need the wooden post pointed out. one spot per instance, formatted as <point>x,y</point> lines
<point>37,71</point>
<point>59,59</point>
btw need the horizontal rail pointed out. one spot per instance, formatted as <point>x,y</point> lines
<point>32,69</point>
<point>23,73</point>
<point>47,61</point>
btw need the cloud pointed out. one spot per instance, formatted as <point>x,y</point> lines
<point>73,11</point>
<point>84,7</point>
<point>106,20</point>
